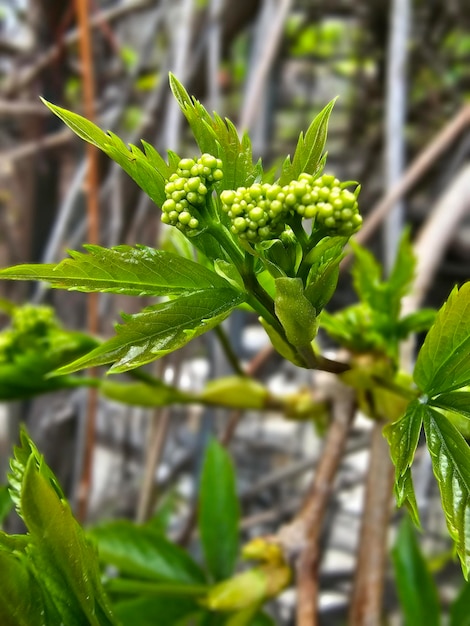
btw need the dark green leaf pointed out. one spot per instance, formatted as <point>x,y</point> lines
<point>155,611</point>
<point>457,401</point>
<point>218,512</point>
<point>450,456</point>
<point>140,166</point>
<point>160,329</point>
<point>139,271</point>
<point>416,588</point>
<point>459,613</point>
<point>142,552</point>
<point>130,586</point>
<point>403,437</point>
<point>309,150</point>
<point>443,363</point>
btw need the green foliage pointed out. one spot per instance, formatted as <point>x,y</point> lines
<point>218,512</point>
<point>416,588</point>
<point>33,346</point>
<point>52,575</point>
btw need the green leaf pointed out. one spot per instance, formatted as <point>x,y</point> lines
<point>403,271</point>
<point>160,329</point>
<point>455,401</point>
<point>443,363</point>
<point>416,322</point>
<point>309,150</point>
<point>62,560</point>
<point>6,503</point>
<point>450,457</point>
<point>147,169</point>
<point>324,271</point>
<point>416,588</point>
<point>164,611</point>
<point>295,312</point>
<point>142,552</point>
<point>459,613</point>
<point>218,137</point>
<point>403,437</point>
<point>218,512</point>
<point>139,271</point>
<point>367,278</point>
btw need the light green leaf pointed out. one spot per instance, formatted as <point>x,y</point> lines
<point>62,560</point>
<point>143,553</point>
<point>218,137</point>
<point>450,456</point>
<point>218,512</point>
<point>416,322</point>
<point>443,363</point>
<point>139,271</point>
<point>160,329</point>
<point>309,150</point>
<point>238,392</point>
<point>416,588</point>
<point>403,271</point>
<point>403,437</point>
<point>142,168</point>
<point>296,314</point>
<point>455,401</point>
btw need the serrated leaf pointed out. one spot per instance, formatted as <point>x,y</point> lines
<point>443,363</point>
<point>63,562</point>
<point>218,137</point>
<point>134,271</point>
<point>403,436</point>
<point>450,457</point>
<point>416,588</point>
<point>140,552</point>
<point>140,167</point>
<point>160,329</point>
<point>309,150</point>
<point>219,512</point>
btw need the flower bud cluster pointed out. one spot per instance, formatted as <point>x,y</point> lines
<point>261,211</point>
<point>336,208</point>
<point>186,191</point>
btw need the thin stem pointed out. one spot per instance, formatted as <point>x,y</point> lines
<point>228,350</point>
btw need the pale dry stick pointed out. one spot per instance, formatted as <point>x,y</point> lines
<point>300,540</point>
<point>257,81</point>
<point>430,246</point>
<point>424,160</point>
<point>22,79</point>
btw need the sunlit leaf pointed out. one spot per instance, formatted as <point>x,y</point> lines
<point>450,456</point>
<point>443,363</point>
<point>139,271</point>
<point>160,329</point>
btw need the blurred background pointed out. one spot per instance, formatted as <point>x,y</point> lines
<point>401,127</point>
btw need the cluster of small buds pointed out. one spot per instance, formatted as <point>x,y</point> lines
<point>336,208</point>
<point>261,211</point>
<point>187,189</point>
<point>257,212</point>
<point>31,319</point>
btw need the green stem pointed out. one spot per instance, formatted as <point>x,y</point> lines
<point>82,381</point>
<point>228,350</point>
